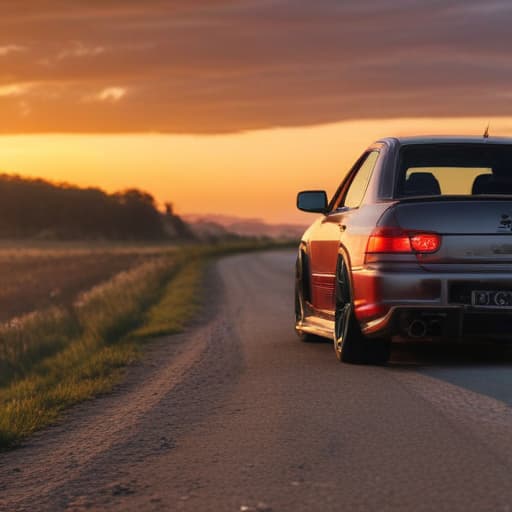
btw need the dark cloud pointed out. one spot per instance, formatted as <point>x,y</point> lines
<point>208,66</point>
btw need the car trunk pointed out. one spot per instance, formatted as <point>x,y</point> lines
<point>474,232</point>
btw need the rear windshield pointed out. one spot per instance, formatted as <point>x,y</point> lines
<point>455,169</point>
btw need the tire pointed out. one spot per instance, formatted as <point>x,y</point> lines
<point>300,305</point>
<point>350,345</point>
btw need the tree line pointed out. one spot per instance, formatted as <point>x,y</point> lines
<point>39,208</point>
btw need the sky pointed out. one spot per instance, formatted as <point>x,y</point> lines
<point>232,106</point>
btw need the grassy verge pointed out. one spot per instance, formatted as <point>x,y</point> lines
<point>179,302</point>
<point>52,359</point>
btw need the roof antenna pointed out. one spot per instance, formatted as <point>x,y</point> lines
<point>486,133</point>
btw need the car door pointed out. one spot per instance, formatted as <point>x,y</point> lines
<point>327,235</point>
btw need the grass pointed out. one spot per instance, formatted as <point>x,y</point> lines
<point>57,357</point>
<point>29,339</point>
<point>178,304</point>
<point>36,278</point>
<point>85,349</point>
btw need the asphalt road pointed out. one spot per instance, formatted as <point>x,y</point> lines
<point>238,414</point>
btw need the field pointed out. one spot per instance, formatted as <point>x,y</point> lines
<point>73,317</point>
<point>36,277</point>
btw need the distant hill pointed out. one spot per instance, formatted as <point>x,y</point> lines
<point>38,208</point>
<point>207,225</point>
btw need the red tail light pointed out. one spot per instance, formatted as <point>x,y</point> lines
<point>425,242</point>
<point>394,240</point>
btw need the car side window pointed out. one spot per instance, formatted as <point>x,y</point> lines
<point>359,183</point>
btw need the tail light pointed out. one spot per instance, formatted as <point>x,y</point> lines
<point>394,240</point>
<point>425,242</point>
<point>368,304</point>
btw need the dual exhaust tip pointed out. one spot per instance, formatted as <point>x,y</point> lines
<point>421,328</point>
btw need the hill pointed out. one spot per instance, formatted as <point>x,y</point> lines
<point>217,225</point>
<point>36,208</point>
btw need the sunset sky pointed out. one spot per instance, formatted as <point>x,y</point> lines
<point>231,106</point>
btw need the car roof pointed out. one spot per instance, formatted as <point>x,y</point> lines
<point>444,139</point>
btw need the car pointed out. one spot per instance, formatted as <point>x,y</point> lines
<point>416,244</point>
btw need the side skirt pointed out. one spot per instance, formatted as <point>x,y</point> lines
<point>318,326</point>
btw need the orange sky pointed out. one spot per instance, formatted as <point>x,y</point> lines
<point>253,174</point>
<point>232,106</point>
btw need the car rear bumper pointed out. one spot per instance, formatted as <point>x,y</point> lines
<point>422,304</point>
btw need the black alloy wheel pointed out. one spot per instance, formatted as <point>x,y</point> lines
<point>350,345</point>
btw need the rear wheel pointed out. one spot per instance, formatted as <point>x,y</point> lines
<point>350,345</point>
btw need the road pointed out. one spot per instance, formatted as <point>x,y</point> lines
<point>238,414</point>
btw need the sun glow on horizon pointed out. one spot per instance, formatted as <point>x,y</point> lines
<point>251,174</point>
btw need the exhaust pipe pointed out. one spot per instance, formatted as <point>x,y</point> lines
<point>417,329</point>
<point>435,327</point>
<point>424,325</point>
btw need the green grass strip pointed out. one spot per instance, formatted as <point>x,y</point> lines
<point>178,304</point>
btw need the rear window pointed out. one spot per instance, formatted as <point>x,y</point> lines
<point>455,169</point>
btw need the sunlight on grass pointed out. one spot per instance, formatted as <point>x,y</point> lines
<point>54,358</point>
<point>57,358</point>
<point>178,304</point>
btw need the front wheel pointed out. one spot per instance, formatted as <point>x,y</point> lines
<point>350,345</point>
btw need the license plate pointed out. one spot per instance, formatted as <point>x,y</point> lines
<point>492,298</point>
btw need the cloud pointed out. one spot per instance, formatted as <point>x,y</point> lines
<point>212,66</point>
<point>11,48</point>
<point>10,90</point>
<point>73,50</point>
<point>112,94</point>
<point>24,108</point>
<point>77,49</point>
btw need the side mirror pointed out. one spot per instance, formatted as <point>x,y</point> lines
<point>314,201</point>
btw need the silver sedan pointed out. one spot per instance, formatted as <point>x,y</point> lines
<point>416,244</point>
